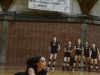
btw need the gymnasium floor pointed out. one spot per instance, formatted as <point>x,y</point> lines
<point>10,70</point>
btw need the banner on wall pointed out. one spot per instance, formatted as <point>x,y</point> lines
<point>51,5</point>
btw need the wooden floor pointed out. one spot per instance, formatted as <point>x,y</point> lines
<point>11,70</point>
<point>60,72</point>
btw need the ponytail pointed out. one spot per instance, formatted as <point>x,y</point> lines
<point>32,61</point>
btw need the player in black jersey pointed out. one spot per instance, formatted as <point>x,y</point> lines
<point>36,66</point>
<point>54,48</point>
<point>94,54</point>
<point>86,55</point>
<point>78,52</point>
<point>67,50</point>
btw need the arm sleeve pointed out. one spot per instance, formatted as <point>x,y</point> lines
<point>45,72</point>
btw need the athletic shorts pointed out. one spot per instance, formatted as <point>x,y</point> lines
<point>67,54</point>
<point>86,55</point>
<point>54,52</point>
<point>93,57</point>
<point>78,52</point>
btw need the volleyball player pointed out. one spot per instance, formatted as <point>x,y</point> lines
<point>94,54</point>
<point>86,56</point>
<point>78,52</point>
<point>67,50</point>
<point>36,66</point>
<point>54,48</point>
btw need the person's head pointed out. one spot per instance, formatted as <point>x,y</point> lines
<point>54,39</point>
<point>93,45</point>
<point>86,43</point>
<point>79,41</point>
<point>69,43</point>
<point>41,62</point>
<point>37,61</point>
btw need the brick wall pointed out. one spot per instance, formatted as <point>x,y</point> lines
<point>93,34</point>
<point>33,38</point>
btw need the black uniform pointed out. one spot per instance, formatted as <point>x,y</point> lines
<point>94,53</point>
<point>54,47</point>
<point>42,72</point>
<point>86,51</point>
<point>67,54</point>
<point>78,52</point>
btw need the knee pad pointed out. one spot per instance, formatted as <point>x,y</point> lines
<point>64,59</point>
<point>74,61</point>
<point>91,64</point>
<point>49,59</point>
<point>79,61</point>
<point>64,62</point>
<point>54,59</point>
<point>96,65</point>
<point>84,62</point>
<point>88,63</point>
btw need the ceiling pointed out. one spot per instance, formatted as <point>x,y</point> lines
<point>87,7</point>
